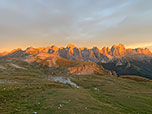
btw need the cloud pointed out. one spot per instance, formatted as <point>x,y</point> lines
<point>140,45</point>
<point>107,21</point>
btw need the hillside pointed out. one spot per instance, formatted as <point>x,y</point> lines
<point>49,64</point>
<point>26,94</point>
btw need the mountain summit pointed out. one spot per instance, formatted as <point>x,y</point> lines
<point>117,58</point>
<point>72,50</point>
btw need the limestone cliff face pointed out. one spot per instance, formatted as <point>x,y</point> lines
<point>95,54</point>
<point>143,51</point>
<point>118,50</point>
<point>140,51</point>
<point>71,52</point>
<point>103,55</point>
<point>105,50</point>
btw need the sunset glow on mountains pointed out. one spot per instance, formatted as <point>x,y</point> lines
<point>75,56</point>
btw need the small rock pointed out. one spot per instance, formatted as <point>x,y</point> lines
<point>95,89</point>
<point>60,105</point>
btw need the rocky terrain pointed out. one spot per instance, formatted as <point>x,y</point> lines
<point>49,64</point>
<point>117,58</point>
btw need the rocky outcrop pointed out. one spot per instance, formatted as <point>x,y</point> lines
<point>105,51</point>
<point>81,70</point>
<point>44,59</point>
<point>118,50</point>
<point>74,67</point>
<point>33,51</point>
<point>88,69</point>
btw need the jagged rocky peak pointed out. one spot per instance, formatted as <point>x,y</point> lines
<point>121,46</point>
<point>53,50</point>
<point>31,50</point>
<point>70,50</point>
<point>141,51</point>
<point>15,50</point>
<point>145,51</point>
<point>45,49</point>
<point>118,50</point>
<point>4,53</point>
<point>105,50</point>
<point>94,54</point>
<point>83,48</point>
<point>96,51</point>
<point>54,47</point>
<point>95,48</point>
<point>71,46</point>
<point>15,53</point>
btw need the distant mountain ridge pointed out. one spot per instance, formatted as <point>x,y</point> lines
<point>117,58</point>
<point>78,52</point>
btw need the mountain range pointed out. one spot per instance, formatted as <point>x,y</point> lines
<point>116,60</point>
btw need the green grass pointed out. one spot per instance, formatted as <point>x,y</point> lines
<point>28,91</point>
<point>112,95</point>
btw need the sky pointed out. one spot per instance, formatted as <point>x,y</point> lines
<point>39,23</point>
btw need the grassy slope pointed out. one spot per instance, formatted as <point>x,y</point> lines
<point>99,94</point>
<point>28,91</point>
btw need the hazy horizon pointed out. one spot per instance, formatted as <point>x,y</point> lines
<point>135,46</point>
<point>87,23</point>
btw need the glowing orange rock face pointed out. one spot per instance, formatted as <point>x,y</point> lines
<point>31,50</point>
<point>82,48</point>
<point>118,50</point>
<point>105,50</point>
<point>54,47</point>
<point>71,46</point>
<point>14,50</point>
<point>143,51</point>
<point>140,51</point>
<point>76,53</point>
<point>3,53</point>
